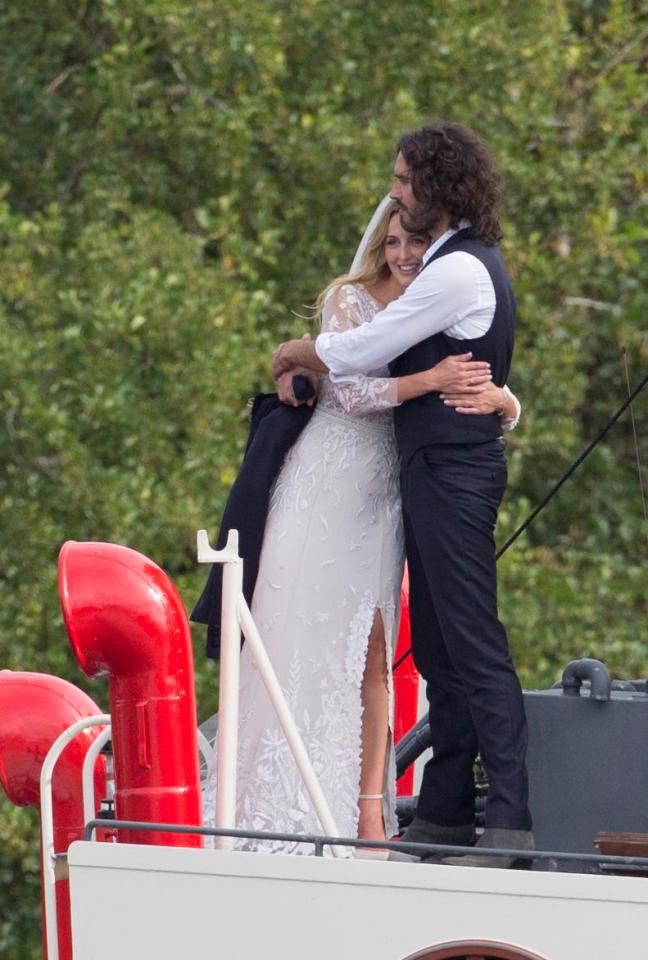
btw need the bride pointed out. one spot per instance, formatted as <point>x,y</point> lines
<point>326,595</point>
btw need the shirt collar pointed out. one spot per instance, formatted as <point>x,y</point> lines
<point>442,239</point>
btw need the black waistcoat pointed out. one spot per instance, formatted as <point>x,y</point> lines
<point>426,420</point>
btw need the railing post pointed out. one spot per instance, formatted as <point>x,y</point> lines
<point>234,616</point>
<point>47,826</point>
<point>230,668</point>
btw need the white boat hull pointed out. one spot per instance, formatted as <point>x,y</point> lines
<point>173,903</point>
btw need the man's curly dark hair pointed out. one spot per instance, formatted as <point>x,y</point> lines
<point>453,172</point>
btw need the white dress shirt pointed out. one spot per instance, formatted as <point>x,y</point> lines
<point>453,294</point>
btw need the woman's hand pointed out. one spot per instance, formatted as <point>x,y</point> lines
<point>459,374</point>
<point>285,389</point>
<point>491,399</point>
<point>453,375</point>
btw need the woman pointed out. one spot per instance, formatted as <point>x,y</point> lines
<point>326,595</point>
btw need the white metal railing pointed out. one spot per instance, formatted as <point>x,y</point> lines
<point>87,777</point>
<point>236,617</point>
<point>89,798</point>
<point>207,751</point>
<point>47,825</point>
<point>89,806</point>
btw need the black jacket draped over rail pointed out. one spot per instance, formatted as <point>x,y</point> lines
<point>274,427</point>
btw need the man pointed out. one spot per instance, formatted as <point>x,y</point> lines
<point>452,481</point>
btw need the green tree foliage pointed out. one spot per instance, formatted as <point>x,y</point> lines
<point>180,179</point>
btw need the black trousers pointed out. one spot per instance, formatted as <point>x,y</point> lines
<point>451,494</point>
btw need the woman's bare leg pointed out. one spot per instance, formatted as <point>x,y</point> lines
<point>375,734</point>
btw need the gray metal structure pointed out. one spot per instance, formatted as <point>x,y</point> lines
<point>587,765</point>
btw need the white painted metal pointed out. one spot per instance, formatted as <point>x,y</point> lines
<point>288,725</point>
<point>234,616</point>
<point>228,701</point>
<point>89,799</point>
<point>47,825</point>
<point>174,902</point>
<point>207,752</point>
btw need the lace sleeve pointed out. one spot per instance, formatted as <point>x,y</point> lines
<point>347,307</point>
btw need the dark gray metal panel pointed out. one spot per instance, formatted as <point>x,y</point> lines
<point>588,769</point>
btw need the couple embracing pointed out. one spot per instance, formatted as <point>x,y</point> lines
<point>404,448</point>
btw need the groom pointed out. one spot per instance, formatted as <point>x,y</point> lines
<point>452,481</point>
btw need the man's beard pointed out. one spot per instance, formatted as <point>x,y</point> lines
<point>423,219</point>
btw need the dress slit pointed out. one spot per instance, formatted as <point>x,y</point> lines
<point>387,618</point>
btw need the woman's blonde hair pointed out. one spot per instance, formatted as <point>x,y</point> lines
<point>373,266</point>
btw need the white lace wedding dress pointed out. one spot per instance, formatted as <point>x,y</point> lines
<point>332,557</point>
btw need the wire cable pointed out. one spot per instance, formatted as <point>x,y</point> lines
<point>556,487</point>
<point>636,442</point>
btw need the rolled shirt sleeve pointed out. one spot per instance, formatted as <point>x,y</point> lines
<point>453,294</point>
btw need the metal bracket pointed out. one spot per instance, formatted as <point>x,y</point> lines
<point>207,554</point>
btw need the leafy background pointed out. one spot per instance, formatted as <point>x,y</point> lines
<point>181,179</point>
